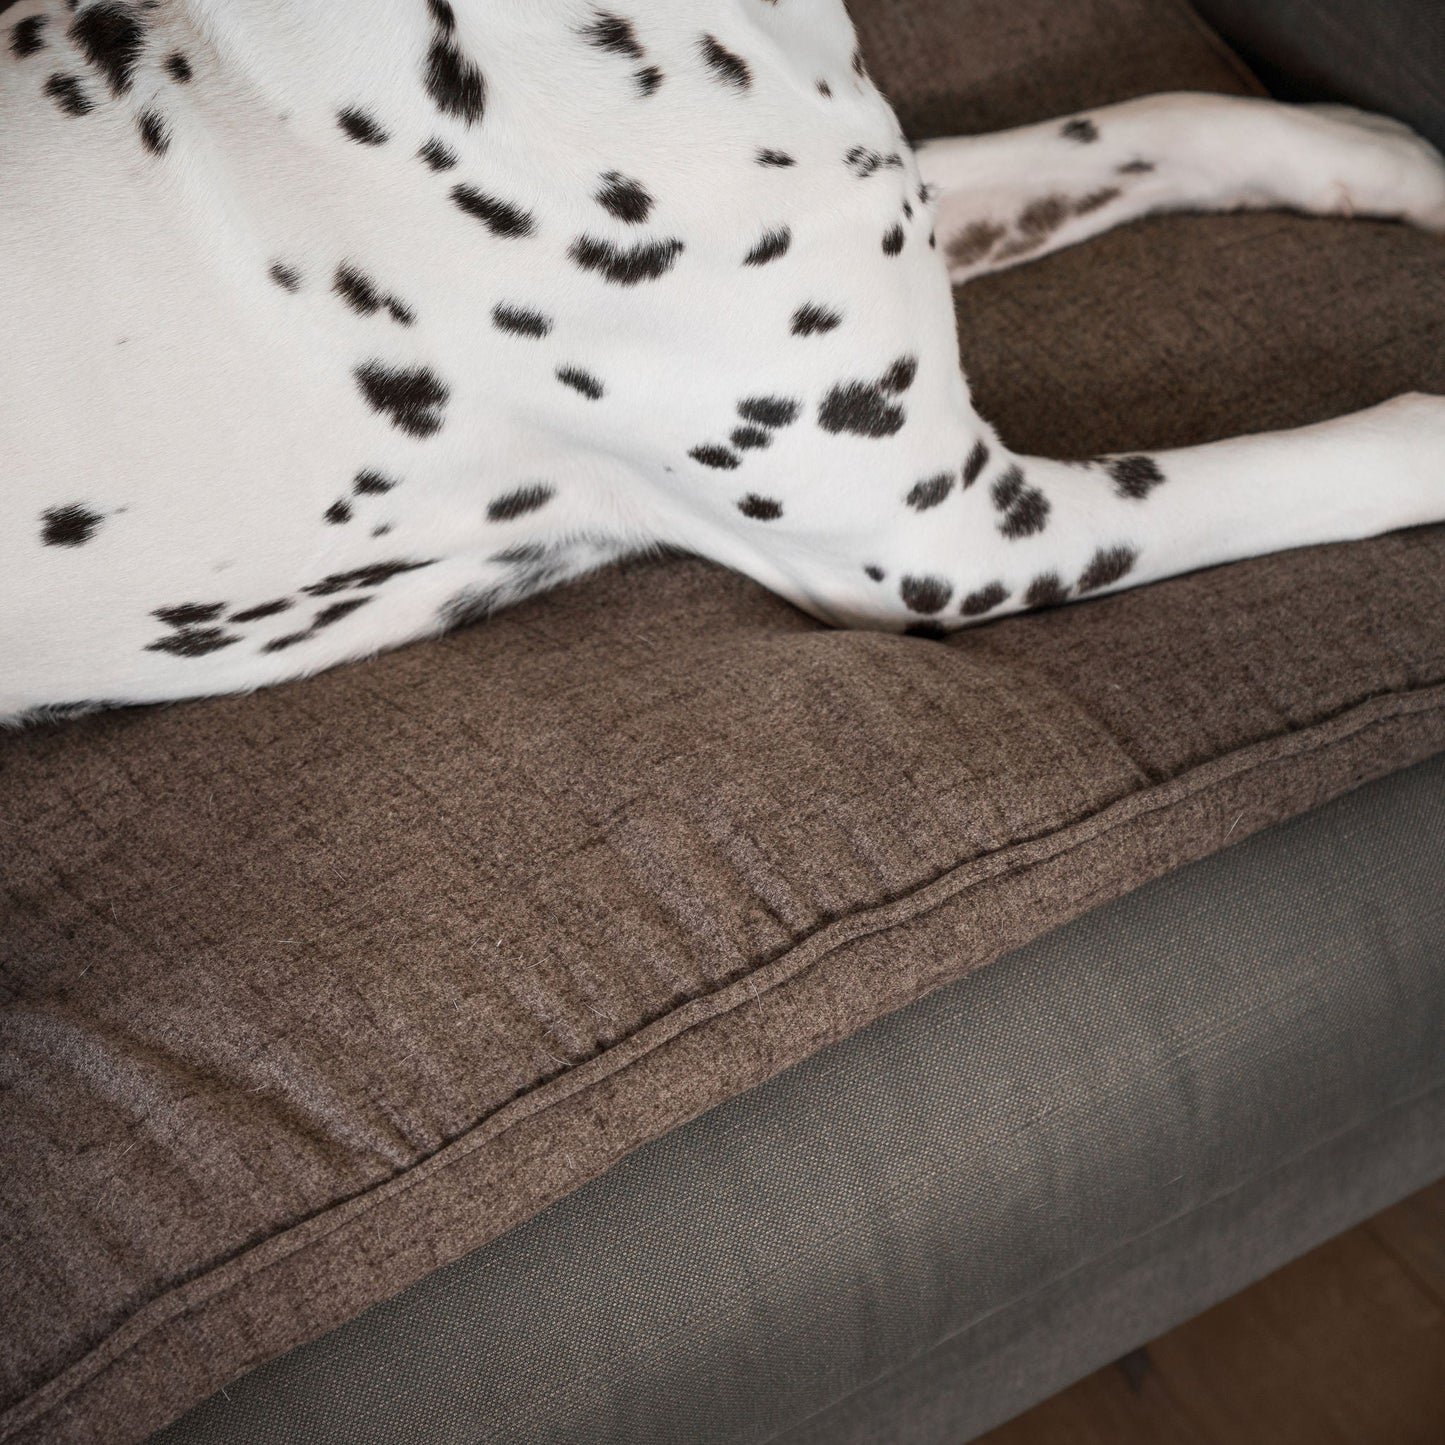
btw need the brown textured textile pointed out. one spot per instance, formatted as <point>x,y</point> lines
<point>308,992</point>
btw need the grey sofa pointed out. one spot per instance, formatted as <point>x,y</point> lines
<point>926,1228</point>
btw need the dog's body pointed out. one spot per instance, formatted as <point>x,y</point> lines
<point>332,326</point>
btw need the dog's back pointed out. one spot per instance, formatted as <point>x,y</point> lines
<point>330,326</point>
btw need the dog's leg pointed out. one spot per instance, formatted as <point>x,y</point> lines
<point>1006,533</point>
<point>1019,194</point>
<point>1062,532</point>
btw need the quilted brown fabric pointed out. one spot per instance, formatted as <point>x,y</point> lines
<point>308,992</point>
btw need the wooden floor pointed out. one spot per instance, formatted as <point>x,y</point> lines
<point>1343,1347</point>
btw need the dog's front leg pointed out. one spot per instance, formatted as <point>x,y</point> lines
<point>1007,533</point>
<point>1010,197</point>
<point>1057,531</point>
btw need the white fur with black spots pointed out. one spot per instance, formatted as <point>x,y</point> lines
<point>330,326</point>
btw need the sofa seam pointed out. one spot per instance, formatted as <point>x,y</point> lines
<point>1372,711</point>
<point>907,1190</point>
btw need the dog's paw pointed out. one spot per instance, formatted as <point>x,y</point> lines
<point>1385,169</point>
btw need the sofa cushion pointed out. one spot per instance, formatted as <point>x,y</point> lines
<point>934,1223</point>
<point>310,992</point>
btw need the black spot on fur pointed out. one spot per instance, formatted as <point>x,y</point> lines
<point>760,509</point>
<point>1046,590</point>
<point>1082,130</point>
<point>1025,509</point>
<point>1136,168</point>
<point>899,377</point>
<point>280,644</point>
<point>1096,200</point>
<point>1043,217</point>
<point>907,210</point>
<point>1107,566</point>
<point>711,456</point>
<point>875,573</point>
<point>974,242</point>
<point>522,555</point>
<point>984,600</point>
<point>371,484</point>
<point>501,218</point>
<point>454,83</point>
<point>1008,488</point>
<point>438,156</point>
<point>443,14</point>
<point>361,127</point>
<point>52,712</point>
<point>580,380</point>
<point>824,89</point>
<point>471,605</point>
<point>925,594</point>
<point>69,526</point>
<point>372,575</point>
<point>860,407</point>
<point>749,437</point>
<point>411,397</point>
<point>893,240</point>
<point>810,319</point>
<point>930,492</point>
<point>612,32</point>
<point>624,198</point>
<point>773,244</point>
<point>26,37</point>
<point>335,611</point>
<point>188,614</point>
<point>355,288</point>
<point>360,294</point>
<point>338,512</point>
<point>262,610</point>
<point>179,68</point>
<point>1134,477</point>
<point>193,641</point>
<point>648,79</point>
<point>726,67</point>
<point>66,92</point>
<point>768,157</point>
<point>627,266</point>
<point>977,461</point>
<point>109,36</point>
<point>286,277</point>
<point>519,503</point>
<point>153,133</point>
<point>519,321</point>
<point>863,161</point>
<point>770,411</point>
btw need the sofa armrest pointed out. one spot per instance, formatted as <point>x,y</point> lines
<point>1384,55</point>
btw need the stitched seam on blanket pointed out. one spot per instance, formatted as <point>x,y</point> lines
<point>181,1299</point>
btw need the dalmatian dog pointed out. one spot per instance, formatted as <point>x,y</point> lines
<point>332,325</point>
